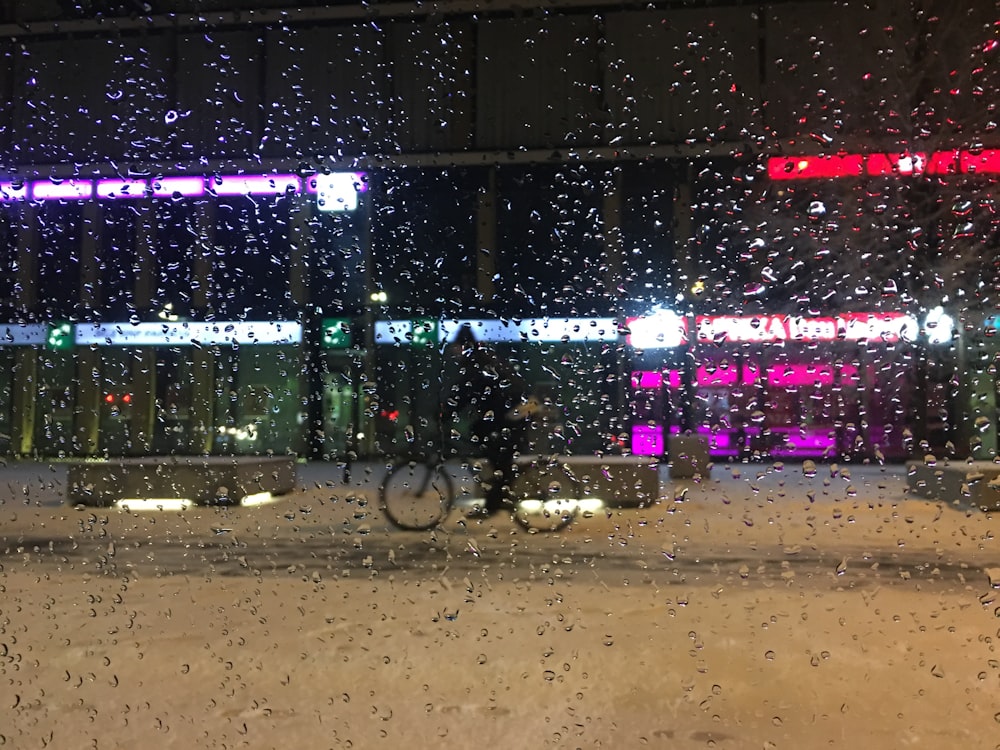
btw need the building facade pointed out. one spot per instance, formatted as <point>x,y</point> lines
<point>235,231</point>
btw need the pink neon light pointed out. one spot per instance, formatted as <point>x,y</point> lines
<point>706,375</point>
<point>810,375</point>
<point>789,375</point>
<point>647,379</point>
<point>9,192</point>
<point>166,187</point>
<point>255,184</point>
<point>716,376</point>
<point>647,440</point>
<point>813,167</point>
<point>122,188</point>
<point>654,379</point>
<point>43,190</point>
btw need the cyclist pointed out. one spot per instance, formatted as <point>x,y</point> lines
<point>496,394</point>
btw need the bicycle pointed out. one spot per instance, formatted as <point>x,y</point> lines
<point>418,493</point>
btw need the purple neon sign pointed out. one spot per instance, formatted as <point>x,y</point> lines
<point>46,190</point>
<point>186,186</point>
<point>255,184</point>
<point>117,188</point>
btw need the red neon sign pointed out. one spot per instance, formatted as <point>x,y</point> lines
<point>814,167</point>
<point>903,163</point>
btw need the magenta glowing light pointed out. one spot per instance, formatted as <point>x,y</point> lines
<point>339,195</point>
<point>256,184</point>
<point>647,440</point>
<point>188,187</point>
<point>115,189</point>
<point>46,190</point>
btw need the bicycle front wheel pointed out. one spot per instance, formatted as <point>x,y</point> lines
<point>416,496</point>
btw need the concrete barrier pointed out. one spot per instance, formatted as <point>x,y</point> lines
<point>974,483</point>
<point>620,481</point>
<point>688,456</point>
<point>199,479</point>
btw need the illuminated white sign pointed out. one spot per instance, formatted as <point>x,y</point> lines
<point>30,334</point>
<point>940,326</point>
<point>540,330</point>
<point>337,191</point>
<point>872,327</point>
<point>188,334</point>
<point>662,329</point>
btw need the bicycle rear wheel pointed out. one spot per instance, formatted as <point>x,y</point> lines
<point>545,496</point>
<point>416,496</point>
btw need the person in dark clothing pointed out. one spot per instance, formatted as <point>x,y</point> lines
<point>496,394</point>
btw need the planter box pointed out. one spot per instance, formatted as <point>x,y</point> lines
<point>976,483</point>
<point>688,456</point>
<point>620,481</point>
<point>199,479</point>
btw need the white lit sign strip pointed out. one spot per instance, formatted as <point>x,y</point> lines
<point>30,334</point>
<point>188,334</point>
<point>873,327</point>
<point>337,191</point>
<point>393,331</point>
<point>487,331</point>
<point>661,330</point>
<point>542,330</point>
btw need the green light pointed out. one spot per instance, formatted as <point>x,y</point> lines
<point>336,333</point>
<point>425,331</point>
<point>60,336</point>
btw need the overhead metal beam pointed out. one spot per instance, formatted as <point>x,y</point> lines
<point>599,154</point>
<point>299,16</point>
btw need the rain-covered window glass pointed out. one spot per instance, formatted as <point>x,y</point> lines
<point>503,375</point>
<point>551,254</point>
<point>119,262</point>
<point>59,230</point>
<point>249,259</point>
<point>9,233</point>
<point>427,233</point>
<point>173,235</point>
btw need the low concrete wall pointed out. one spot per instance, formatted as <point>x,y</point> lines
<point>620,481</point>
<point>688,456</point>
<point>200,479</point>
<point>976,483</point>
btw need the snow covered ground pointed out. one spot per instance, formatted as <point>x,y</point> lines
<point>760,608</point>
